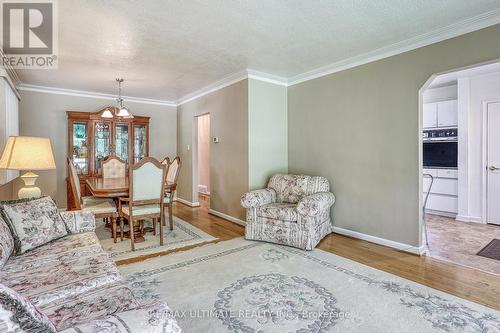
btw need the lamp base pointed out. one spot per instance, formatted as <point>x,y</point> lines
<point>29,190</point>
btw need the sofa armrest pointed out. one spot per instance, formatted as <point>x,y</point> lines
<point>152,318</point>
<point>258,198</point>
<point>78,221</point>
<point>315,204</point>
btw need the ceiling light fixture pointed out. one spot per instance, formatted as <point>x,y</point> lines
<point>122,110</point>
<point>107,114</point>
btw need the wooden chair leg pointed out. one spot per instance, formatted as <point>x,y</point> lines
<point>113,227</point>
<point>170,217</point>
<point>161,229</point>
<point>121,228</point>
<point>131,230</point>
<point>154,227</point>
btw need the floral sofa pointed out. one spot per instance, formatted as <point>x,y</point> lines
<point>293,210</point>
<point>75,286</point>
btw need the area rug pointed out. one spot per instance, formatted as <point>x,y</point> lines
<point>245,286</point>
<point>492,250</point>
<point>184,234</point>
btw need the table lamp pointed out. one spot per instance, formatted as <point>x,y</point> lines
<point>28,154</point>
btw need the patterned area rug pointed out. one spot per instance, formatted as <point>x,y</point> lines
<point>184,234</point>
<point>244,286</point>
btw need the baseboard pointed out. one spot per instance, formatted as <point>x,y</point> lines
<point>465,218</point>
<point>440,213</point>
<point>381,241</point>
<point>227,217</point>
<point>188,203</point>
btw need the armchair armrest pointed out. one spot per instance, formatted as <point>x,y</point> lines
<point>78,221</point>
<point>153,318</point>
<point>315,204</point>
<point>258,198</point>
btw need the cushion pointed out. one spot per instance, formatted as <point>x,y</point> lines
<point>33,222</point>
<point>17,314</point>
<point>279,211</point>
<point>96,303</point>
<point>292,188</point>
<point>65,268</point>
<point>99,207</point>
<point>142,210</point>
<point>6,242</point>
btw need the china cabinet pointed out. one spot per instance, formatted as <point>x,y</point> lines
<point>92,138</point>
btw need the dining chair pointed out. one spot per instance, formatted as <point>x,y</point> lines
<point>173,168</point>
<point>101,207</point>
<point>147,186</point>
<point>113,167</point>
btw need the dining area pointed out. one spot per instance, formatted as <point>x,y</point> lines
<point>111,174</point>
<point>126,199</point>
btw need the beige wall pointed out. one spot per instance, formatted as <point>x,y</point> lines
<point>228,108</point>
<point>43,114</point>
<point>359,128</point>
<point>204,151</point>
<point>267,132</point>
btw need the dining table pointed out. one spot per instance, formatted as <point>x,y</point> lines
<point>115,188</point>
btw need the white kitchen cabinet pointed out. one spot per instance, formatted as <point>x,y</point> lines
<point>440,114</point>
<point>442,203</point>
<point>442,186</point>
<point>443,199</point>
<point>447,114</point>
<point>430,115</point>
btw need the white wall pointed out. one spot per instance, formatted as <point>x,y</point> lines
<point>9,123</point>
<point>204,151</point>
<point>473,92</point>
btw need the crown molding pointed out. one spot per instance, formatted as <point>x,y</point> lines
<point>91,94</point>
<point>266,77</point>
<point>227,81</point>
<point>232,79</point>
<point>454,30</point>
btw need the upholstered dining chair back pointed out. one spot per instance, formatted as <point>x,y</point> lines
<point>174,166</point>
<point>147,180</point>
<point>113,167</point>
<point>74,183</point>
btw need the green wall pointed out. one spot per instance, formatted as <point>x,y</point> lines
<point>360,129</point>
<point>267,132</point>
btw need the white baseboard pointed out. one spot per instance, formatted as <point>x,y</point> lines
<point>227,217</point>
<point>465,218</point>
<point>381,241</point>
<point>188,203</point>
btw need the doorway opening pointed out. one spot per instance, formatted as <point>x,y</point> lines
<point>460,163</point>
<point>203,154</point>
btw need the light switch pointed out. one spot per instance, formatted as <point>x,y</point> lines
<point>188,147</point>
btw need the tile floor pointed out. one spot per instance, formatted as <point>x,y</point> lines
<point>459,242</point>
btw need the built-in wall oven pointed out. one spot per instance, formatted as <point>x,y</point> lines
<point>440,148</point>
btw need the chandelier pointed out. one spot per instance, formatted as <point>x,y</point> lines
<point>122,109</point>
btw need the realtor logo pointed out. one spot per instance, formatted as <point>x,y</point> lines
<point>29,34</point>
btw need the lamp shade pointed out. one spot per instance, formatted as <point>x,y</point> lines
<point>27,153</point>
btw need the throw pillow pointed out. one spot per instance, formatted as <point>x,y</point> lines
<point>17,314</point>
<point>33,222</point>
<point>6,242</point>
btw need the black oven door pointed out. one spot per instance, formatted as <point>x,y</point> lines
<point>440,154</point>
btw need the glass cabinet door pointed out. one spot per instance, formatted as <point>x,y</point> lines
<point>140,142</point>
<point>102,142</point>
<point>79,147</point>
<point>122,142</point>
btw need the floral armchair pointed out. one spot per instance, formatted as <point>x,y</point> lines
<point>293,210</point>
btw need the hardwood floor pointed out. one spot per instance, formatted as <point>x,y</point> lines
<point>461,281</point>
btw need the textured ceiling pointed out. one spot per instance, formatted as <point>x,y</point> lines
<point>166,49</point>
